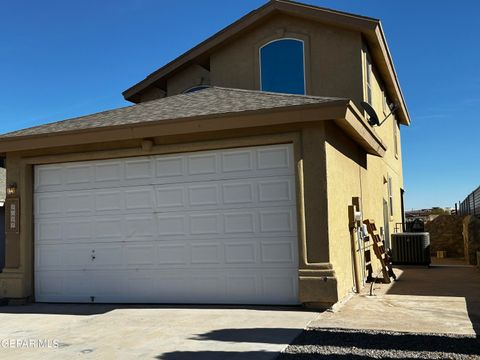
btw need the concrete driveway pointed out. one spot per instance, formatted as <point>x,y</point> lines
<point>147,332</point>
<point>429,313</point>
<point>444,298</point>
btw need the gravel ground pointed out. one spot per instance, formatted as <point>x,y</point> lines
<point>368,344</point>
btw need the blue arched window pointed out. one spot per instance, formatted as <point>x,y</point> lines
<point>195,88</point>
<point>282,66</point>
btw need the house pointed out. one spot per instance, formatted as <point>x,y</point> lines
<point>228,181</point>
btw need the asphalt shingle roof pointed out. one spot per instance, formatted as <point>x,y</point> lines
<point>208,102</point>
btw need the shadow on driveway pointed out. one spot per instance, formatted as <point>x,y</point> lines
<point>338,344</point>
<point>97,309</point>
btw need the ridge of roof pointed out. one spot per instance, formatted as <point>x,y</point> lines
<point>346,13</point>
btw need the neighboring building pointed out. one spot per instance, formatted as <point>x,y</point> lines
<point>424,215</point>
<point>209,190</point>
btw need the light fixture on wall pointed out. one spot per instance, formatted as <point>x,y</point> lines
<point>373,117</point>
<point>12,189</point>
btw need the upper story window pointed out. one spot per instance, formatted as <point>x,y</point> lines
<point>385,106</point>
<point>369,79</point>
<point>395,136</point>
<point>282,66</point>
<point>390,196</point>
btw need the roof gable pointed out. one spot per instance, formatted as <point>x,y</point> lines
<point>369,27</point>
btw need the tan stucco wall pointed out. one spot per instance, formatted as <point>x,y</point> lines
<point>344,161</point>
<point>332,57</point>
<point>152,93</point>
<point>351,174</point>
<point>191,76</point>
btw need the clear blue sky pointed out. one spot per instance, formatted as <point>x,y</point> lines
<point>61,59</point>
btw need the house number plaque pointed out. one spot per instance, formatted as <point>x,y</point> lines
<point>12,218</point>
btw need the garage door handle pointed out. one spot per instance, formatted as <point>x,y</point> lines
<point>93,257</point>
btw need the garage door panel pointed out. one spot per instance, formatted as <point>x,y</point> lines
<point>276,190</point>
<point>109,200</point>
<point>49,256</point>
<point>205,163</point>
<point>173,253</point>
<point>78,202</point>
<point>237,161</point>
<point>109,228</point>
<point>142,198</point>
<point>277,220</point>
<point>141,255</point>
<point>51,286</point>
<point>225,224</point>
<point>166,169</point>
<point>216,287</point>
<point>75,257</point>
<point>49,204</point>
<point>278,252</point>
<point>205,224</point>
<point>78,174</point>
<point>206,253</point>
<point>110,256</point>
<point>278,157</point>
<point>221,195</point>
<point>46,231</point>
<point>239,222</point>
<point>108,171</point>
<point>49,176</point>
<point>171,225</point>
<point>205,227</point>
<point>140,227</point>
<point>237,253</point>
<point>201,195</point>
<point>170,197</point>
<point>238,192</point>
<point>108,283</point>
<point>78,285</point>
<point>139,169</point>
<point>276,285</point>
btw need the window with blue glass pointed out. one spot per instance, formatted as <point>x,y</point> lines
<point>282,67</point>
<point>196,88</point>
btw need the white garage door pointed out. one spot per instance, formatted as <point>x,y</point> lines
<point>204,227</point>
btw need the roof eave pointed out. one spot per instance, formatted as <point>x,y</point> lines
<point>389,66</point>
<point>343,112</point>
